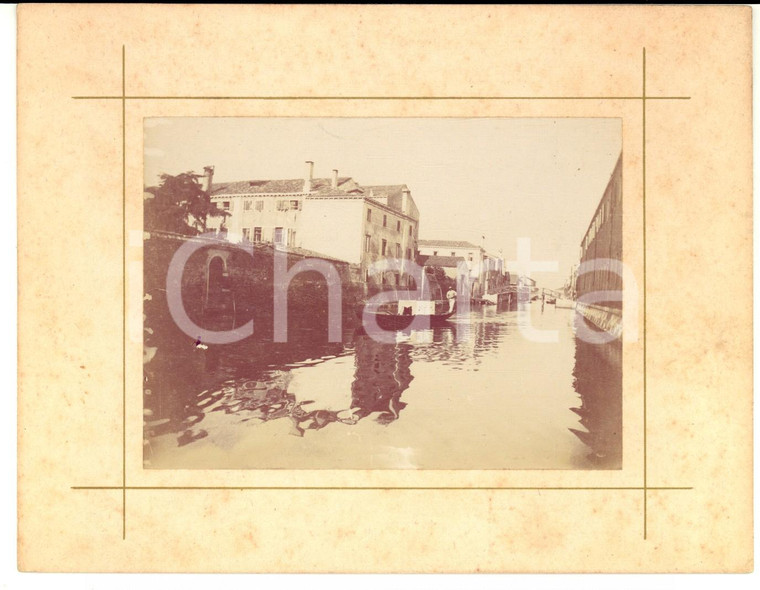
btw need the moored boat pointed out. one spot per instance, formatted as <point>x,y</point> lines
<point>407,311</point>
<point>394,321</point>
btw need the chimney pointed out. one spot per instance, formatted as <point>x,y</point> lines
<point>335,178</point>
<point>309,176</point>
<point>405,201</point>
<point>208,178</point>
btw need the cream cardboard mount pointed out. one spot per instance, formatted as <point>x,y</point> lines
<point>680,80</point>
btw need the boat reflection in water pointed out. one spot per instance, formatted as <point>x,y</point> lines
<point>421,399</point>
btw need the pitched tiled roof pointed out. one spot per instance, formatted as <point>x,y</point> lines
<point>445,244</point>
<point>442,261</point>
<point>388,195</point>
<point>346,185</point>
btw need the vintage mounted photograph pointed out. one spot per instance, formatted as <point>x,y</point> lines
<point>383,293</point>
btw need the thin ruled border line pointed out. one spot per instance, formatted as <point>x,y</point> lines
<point>645,488</point>
<point>147,97</point>
<point>644,248</point>
<point>124,291</point>
<point>408,488</point>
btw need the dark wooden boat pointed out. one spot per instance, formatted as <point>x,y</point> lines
<point>393,321</point>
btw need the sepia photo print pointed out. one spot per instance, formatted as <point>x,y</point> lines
<point>419,293</point>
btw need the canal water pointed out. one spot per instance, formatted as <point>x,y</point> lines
<point>427,400</point>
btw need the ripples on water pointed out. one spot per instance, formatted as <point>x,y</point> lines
<point>430,399</point>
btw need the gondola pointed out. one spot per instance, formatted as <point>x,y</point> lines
<point>393,321</point>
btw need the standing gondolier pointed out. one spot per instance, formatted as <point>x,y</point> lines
<point>451,295</point>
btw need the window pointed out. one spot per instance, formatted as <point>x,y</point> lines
<point>385,221</point>
<point>385,246</point>
<point>226,205</point>
<point>247,205</point>
<point>278,235</point>
<point>453,254</point>
<point>291,237</point>
<point>398,226</point>
<point>398,250</point>
<point>469,257</point>
<point>410,230</point>
<point>246,233</point>
<point>408,253</point>
<point>256,234</point>
<point>435,252</point>
<point>369,214</point>
<point>367,241</point>
<point>287,205</point>
<point>259,205</point>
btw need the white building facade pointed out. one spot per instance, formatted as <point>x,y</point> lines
<point>486,271</point>
<point>334,216</point>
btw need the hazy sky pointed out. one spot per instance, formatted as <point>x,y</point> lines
<point>499,178</point>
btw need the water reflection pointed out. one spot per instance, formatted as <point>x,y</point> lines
<point>383,373</point>
<point>507,402</point>
<point>263,401</point>
<point>598,381</point>
<point>460,344</point>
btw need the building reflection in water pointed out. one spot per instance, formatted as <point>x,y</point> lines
<point>447,344</point>
<point>598,380</point>
<point>250,381</point>
<point>256,382</point>
<point>382,375</point>
<point>269,399</point>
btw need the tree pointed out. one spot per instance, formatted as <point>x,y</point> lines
<point>179,205</point>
